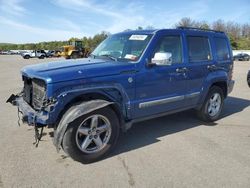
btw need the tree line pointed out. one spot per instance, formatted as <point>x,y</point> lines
<point>88,42</point>
<point>239,35</point>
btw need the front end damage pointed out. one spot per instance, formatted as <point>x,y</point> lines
<point>33,105</point>
<point>29,115</point>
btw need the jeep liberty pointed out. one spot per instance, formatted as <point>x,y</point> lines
<point>131,76</point>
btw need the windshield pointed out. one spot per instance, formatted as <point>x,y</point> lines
<point>122,46</point>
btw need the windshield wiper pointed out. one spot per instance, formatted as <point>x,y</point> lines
<point>109,56</point>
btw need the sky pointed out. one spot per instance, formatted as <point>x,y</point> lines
<point>24,21</point>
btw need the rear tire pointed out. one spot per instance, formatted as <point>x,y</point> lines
<point>212,106</point>
<point>92,136</point>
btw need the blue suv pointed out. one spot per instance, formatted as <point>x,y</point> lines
<point>131,76</point>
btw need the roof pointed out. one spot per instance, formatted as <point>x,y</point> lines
<point>179,29</point>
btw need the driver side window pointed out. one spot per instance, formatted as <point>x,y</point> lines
<point>171,45</point>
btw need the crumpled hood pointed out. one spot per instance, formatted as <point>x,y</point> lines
<point>67,70</point>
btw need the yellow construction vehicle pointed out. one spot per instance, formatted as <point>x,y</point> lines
<point>74,50</point>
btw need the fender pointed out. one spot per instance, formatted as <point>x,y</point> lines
<point>64,96</point>
<point>73,113</point>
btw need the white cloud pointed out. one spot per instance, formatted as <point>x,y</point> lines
<point>35,34</point>
<point>168,18</point>
<point>118,20</point>
<point>63,23</point>
<point>80,4</point>
<point>134,14</point>
<point>12,7</point>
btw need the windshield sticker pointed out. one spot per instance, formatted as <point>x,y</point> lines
<point>137,37</point>
<point>130,56</point>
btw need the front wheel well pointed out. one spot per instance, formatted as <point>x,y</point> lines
<point>222,85</point>
<point>88,97</point>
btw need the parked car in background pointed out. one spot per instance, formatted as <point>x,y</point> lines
<point>242,57</point>
<point>36,53</point>
<point>248,78</point>
<point>130,77</point>
<point>5,52</point>
<point>9,52</point>
<point>51,53</point>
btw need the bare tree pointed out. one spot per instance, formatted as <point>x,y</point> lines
<point>188,22</point>
<point>245,30</point>
<point>234,29</point>
<point>202,25</point>
<point>219,25</point>
<point>185,22</point>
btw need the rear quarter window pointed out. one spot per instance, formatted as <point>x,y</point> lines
<point>222,50</point>
<point>198,48</point>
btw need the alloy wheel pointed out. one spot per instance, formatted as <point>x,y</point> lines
<point>93,134</point>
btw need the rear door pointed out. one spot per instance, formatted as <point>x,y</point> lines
<point>200,61</point>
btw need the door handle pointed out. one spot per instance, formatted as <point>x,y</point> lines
<point>181,70</point>
<point>211,67</point>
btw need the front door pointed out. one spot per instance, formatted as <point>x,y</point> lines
<point>161,88</point>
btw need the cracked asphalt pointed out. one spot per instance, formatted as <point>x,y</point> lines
<point>172,151</point>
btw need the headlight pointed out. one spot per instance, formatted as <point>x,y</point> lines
<point>38,93</point>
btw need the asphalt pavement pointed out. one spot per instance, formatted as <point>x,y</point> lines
<point>172,151</point>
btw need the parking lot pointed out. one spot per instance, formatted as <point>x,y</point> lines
<point>172,151</point>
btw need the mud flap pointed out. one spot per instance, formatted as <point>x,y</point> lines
<point>73,113</point>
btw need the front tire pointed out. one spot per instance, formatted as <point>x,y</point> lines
<point>26,57</point>
<point>212,106</point>
<point>74,55</point>
<point>92,136</point>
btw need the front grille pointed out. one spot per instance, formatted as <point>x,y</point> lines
<point>34,92</point>
<point>38,93</point>
<point>27,89</point>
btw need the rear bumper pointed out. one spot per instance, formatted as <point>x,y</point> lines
<point>30,116</point>
<point>230,86</point>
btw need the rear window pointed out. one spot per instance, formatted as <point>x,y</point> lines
<point>222,50</point>
<point>198,49</point>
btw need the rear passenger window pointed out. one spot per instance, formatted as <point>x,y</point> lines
<point>198,49</point>
<point>222,50</point>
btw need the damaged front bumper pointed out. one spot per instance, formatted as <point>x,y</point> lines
<point>30,116</point>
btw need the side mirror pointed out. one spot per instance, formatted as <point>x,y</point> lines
<point>162,58</point>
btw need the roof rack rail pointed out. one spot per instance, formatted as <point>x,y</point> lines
<point>202,29</point>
